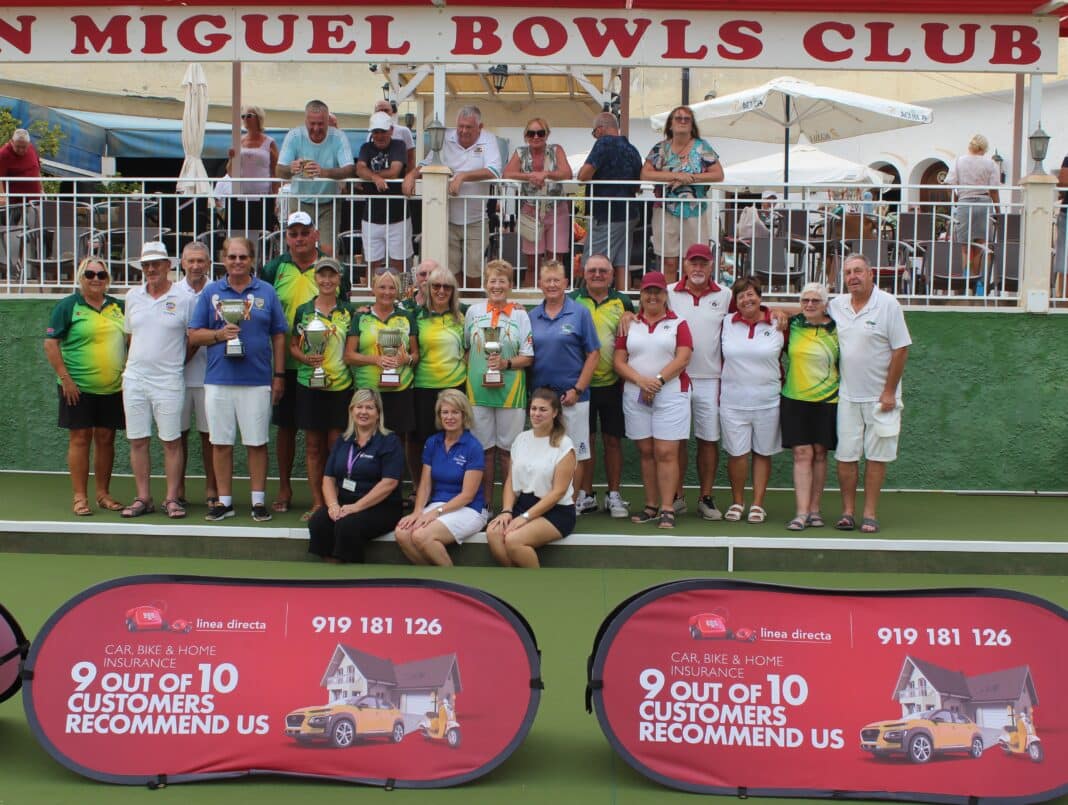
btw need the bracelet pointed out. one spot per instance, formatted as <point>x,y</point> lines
<point>505,511</point>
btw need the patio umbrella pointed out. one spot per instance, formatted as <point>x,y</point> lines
<point>193,178</point>
<point>785,108</point>
<point>808,165</point>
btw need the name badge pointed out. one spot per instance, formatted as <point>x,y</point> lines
<point>348,485</point>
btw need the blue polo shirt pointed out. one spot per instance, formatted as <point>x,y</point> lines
<point>382,457</point>
<point>447,467</point>
<point>266,319</point>
<point>561,345</point>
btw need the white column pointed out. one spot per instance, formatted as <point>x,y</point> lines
<point>435,194</point>
<point>1039,210</point>
<point>439,93</point>
<point>1034,104</point>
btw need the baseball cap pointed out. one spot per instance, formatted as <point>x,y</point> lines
<point>699,251</point>
<point>654,279</point>
<point>327,264</point>
<point>298,217</point>
<point>380,120</point>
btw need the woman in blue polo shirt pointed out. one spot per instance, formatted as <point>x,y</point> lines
<point>449,502</point>
<point>361,485</point>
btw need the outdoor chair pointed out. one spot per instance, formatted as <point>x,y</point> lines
<point>946,269</point>
<point>774,264</point>
<point>52,250</point>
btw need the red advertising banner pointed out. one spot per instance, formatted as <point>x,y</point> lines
<point>13,647</point>
<point>933,695</point>
<point>163,679</point>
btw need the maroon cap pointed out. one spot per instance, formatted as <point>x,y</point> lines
<point>654,279</point>
<point>699,251</point>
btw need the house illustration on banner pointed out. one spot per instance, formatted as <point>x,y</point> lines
<point>984,698</point>
<point>413,687</point>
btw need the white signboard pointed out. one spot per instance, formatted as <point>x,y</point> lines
<point>598,37</point>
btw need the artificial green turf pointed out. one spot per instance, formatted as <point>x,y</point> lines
<point>564,760</point>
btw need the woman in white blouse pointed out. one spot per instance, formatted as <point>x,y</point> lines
<point>539,504</point>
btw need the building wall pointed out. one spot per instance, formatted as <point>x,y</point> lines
<point>984,403</point>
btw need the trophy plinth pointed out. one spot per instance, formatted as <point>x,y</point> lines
<point>316,334</point>
<point>389,344</point>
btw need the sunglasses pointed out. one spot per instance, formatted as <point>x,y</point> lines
<point>679,119</point>
<point>440,286</point>
<point>536,132</point>
<point>238,257</point>
<point>247,115</point>
<point>95,275</point>
<point>811,301</point>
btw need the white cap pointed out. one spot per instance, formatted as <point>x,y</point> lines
<point>380,120</point>
<point>298,217</point>
<point>154,250</point>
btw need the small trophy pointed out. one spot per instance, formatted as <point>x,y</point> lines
<point>234,311</point>
<point>316,334</point>
<point>390,340</point>
<point>491,345</point>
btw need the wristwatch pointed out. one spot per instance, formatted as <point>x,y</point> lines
<point>440,510</point>
<point>660,377</point>
<point>526,516</point>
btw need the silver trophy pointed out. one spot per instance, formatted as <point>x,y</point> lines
<point>316,334</point>
<point>390,340</point>
<point>491,345</point>
<point>234,311</point>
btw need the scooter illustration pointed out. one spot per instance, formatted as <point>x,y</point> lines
<point>441,724</point>
<point>1018,737</point>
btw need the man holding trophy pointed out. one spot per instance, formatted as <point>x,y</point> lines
<point>241,322</point>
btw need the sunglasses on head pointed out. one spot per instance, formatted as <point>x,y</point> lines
<point>536,132</point>
<point>95,275</point>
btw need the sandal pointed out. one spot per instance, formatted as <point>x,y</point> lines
<point>309,514</point>
<point>814,520</point>
<point>846,523</point>
<point>211,502</point>
<point>667,519</point>
<point>797,524</point>
<point>281,505</point>
<point>81,506</point>
<point>734,512</point>
<point>174,508</point>
<point>106,501</point>
<point>139,507</point>
<point>647,515</point>
<point>869,525</point>
<point>757,514</point>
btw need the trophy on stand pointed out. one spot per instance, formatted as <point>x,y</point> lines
<point>390,340</point>
<point>233,311</point>
<point>316,334</point>
<point>491,345</point>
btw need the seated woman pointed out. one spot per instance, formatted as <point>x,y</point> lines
<point>449,501</point>
<point>539,503</point>
<point>361,485</point>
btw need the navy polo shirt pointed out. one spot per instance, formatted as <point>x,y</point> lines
<point>266,319</point>
<point>382,457</point>
<point>447,467</point>
<point>561,346</point>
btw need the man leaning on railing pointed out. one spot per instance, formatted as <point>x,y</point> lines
<point>19,160</point>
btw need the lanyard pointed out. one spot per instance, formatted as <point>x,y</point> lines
<point>352,459</point>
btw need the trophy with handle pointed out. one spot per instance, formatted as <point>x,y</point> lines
<point>390,340</point>
<point>316,334</point>
<point>233,311</point>
<point>491,346</point>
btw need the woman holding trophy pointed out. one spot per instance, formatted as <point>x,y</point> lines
<point>500,348</point>
<point>324,382</point>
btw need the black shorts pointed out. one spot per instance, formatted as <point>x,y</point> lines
<point>320,409</point>
<point>425,402</point>
<point>284,414</point>
<point>92,411</point>
<point>560,516</point>
<point>808,423</point>
<point>398,410</point>
<point>606,404</point>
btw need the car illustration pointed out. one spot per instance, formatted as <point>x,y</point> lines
<point>713,626</point>
<point>920,736</point>
<point>340,723</point>
<point>149,618</point>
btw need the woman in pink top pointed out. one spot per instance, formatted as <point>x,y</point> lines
<point>252,204</point>
<point>975,175</point>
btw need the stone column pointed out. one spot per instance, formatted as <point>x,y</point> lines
<point>1039,211</point>
<point>435,195</point>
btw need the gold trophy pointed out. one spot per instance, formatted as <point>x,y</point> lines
<point>316,334</point>
<point>491,345</point>
<point>390,340</point>
<point>233,311</point>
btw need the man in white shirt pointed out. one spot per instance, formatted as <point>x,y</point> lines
<point>874,343</point>
<point>402,133</point>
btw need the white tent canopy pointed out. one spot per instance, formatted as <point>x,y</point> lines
<point>808,165</point>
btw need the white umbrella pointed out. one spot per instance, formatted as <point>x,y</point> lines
<point>193,179</point>
<point>576,161</point>
<point>785,108</point>
<point>808,165</point>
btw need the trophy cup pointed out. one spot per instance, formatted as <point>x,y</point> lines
<point>491,345</point>
<point>233,311</point>
<point>390,340</point>
<point>316,334</point>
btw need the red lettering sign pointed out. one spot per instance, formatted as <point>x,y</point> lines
<point>20,37</point>
<point>111,38</point>
<point>1015,44</point>
<point>524,36</point>
<point>676,38</point>
<point>741,40</point>
<point>190,39</point>
<point>380,37</point>
<point>475,36</point>
<point>615,32</point>
<point>257,41</point>
<point>879,49</point>
<point>934,42</point>
<point>815,44</point>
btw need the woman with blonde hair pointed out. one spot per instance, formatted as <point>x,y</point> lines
<point>975,176</point>
<point>252,202</point>
<point>449,501</point>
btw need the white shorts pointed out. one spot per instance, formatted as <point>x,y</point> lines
<point>577,423</point>
<point>704,406</point>
<point>668,418</point>
<point>857,433</point>
<point>233,407</point>
<point>745,432</point>
<point>497,427</point>
<point>143,404</point>
<point>194,406</point>
<point>462,523</point>
<point>392,241</point>
<point>673,235</point>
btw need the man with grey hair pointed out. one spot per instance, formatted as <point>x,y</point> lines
<point>402,133</point>
<point>315,157</point>
<point>18,160</point>
<point>475,160</point>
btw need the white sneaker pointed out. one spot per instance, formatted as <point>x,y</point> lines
<point>615,505</point>
<point>679,505</point>
<point>706,507</point>
<point>584,504</point>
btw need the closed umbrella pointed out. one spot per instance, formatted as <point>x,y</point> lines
<point>193,178</point>
<point>808,165</point>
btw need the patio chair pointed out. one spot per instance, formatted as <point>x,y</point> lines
<point>946,269</point>
<point>60,241</point>
<point>775,265</point>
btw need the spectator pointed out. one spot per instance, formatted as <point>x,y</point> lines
<point>449,504</point>
<point>86,348</point>
<point>614,166</point>
<point>544,219</point>
<point>361,485</point>
<point>19,161</point>
<point>684,163</point>
<point>157,323</point>
<point>416,293</point>
<point>975,177</point>
<point>607,307</point>
<point>315,157</point>
<point>402,133</point>
<point>475,160</point>
<point>387,230</point>
<point>252,201</point>
<point>651,359</point>
<point>196,263</point>
<point>239,391</point>
<point>753,224</point>
<point>874,343</point>
<point>538,495</point>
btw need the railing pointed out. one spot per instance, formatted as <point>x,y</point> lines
<point>927,252</point>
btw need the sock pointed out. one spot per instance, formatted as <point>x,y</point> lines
<point>226,500</point>
<point>259,498</point>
